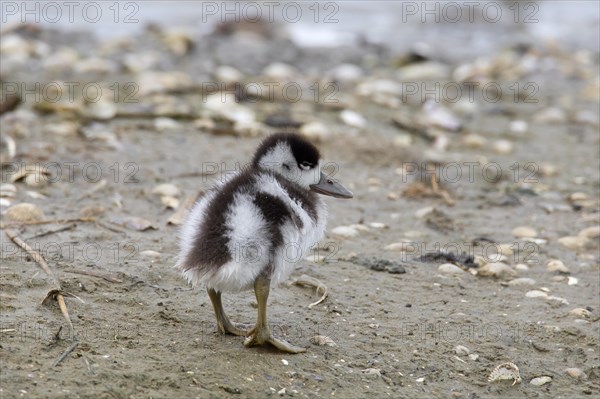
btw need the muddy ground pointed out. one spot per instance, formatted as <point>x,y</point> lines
<point>146,333</point>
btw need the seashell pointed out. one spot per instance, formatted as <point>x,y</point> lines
<point>581,312</point>
<point>323,340</point>
<point>539,381</point>
<point>555,265</point>
<point>524,231</point>
<point>575,243</point>
<point>496,269</point>
<point>345,231</point>
<point>505,371</point>
<point>151,254</point>
<point>353,119</point>
<point>449,268</point>
<point>536,294</point>
<point>461,350</point>
<point>24,212</point>
<point>166,189</point>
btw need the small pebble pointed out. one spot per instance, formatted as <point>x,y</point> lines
<point>576,373</point>
<point>522,267</point>
<point>353,119</point>
<point>474,356</point>
<point>575,243</point>
<point>503,147</point>
<point>315,131</point>
<point>590,232</point>
<point>518,127</point>
<point>581,312</point>
<point>496,269</point>
<point>163,124</point>
<point>285,362</point>
<point>555,265</point>
<point>166,189</point>
<point>539,381</point>
<point>461,350</point>
<point>524,231</point>
<point>345,231</point>
<point>521,281</point>
<point>572,280</point>
<point>536,294</point>
<point>449,268</point>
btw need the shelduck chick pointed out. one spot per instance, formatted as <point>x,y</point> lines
<point>248,231</point>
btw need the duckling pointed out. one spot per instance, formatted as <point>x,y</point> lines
<point>249,230</point>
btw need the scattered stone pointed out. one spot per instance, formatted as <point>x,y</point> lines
<point>518,127</point>
<point>228,75</point>
<point>496,269</point>
<point>150,254</point>
<point>581,312</point>
<point>590,232</point>
<point>345,231</point>
<point>576,373</point>
<point>353,119</point>
<point>524,231</point>
<point>285,362</point>
<point>24,212</point>
<point>555,265</point>
<point>315,130</point>
<point>522,267</point>
<point>574,243</point>
<point>164,124</point>
<point>346,73</point>
<point>473,140</point>
<point>474,357</point>
<point>522,281</point>
<point>372,371</point>
<point>280,71</point>
<point>550,116</point>
<point>536,294</point>
<point>166,189</point>
<point>539,381</point>
<point>503,147</point>
<point>572,280</point>
<point>449,268</point>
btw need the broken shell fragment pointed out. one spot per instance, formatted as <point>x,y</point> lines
<point>505,371</point>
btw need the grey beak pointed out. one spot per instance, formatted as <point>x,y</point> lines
<point>328,186</point>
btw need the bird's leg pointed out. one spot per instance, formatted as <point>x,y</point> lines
<point>261,333</point>
<point>224,325</point>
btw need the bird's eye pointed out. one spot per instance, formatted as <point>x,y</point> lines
<point>306,165</point>
<point>286,166</point>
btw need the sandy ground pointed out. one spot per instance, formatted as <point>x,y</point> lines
<point>147,334</point>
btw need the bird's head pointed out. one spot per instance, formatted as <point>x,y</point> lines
<point>297,160</point>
